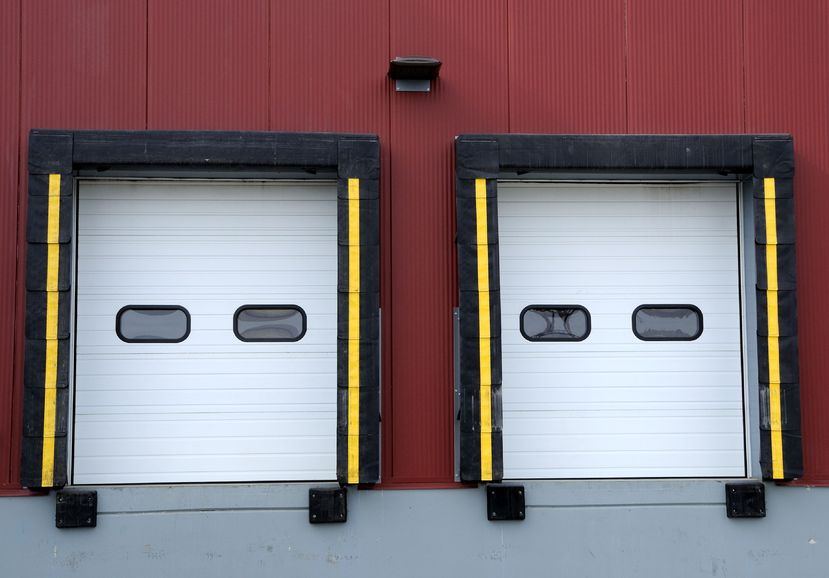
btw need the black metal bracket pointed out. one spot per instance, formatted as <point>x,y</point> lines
<point>505,502</point>
<point>745,500</point>
<point>76,509</point>
<point>327,505</point>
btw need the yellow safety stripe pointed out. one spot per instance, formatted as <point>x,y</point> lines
<point>484,329</point>
<point>51,369</point>
<point>773,330</point>
<point>353,331</point>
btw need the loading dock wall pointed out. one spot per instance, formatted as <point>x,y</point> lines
<point>532,66</point>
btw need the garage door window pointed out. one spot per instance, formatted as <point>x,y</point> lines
<point>152,324</point>
<point>555,323</point>
<point>667,322</point>
<point>269,323</point>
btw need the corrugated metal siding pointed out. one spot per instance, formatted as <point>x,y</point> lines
<point>787,83</point>
<point>207,64</point>
<point>9,118</point>
<point>510,65</point>
<point>567,66</point>
<point>471,95</point>
<point>84,65</point>
<point>684,68</point>
<point>328,66</point>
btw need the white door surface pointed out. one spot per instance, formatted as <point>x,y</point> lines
<point>210,408</point>
<point>613,405</point>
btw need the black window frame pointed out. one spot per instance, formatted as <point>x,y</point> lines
<point>126,308</point>
<point>693,308</point>
<point>588,327</point>
<point>246,307</point>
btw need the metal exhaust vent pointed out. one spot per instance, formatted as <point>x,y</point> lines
<point>414,73</point>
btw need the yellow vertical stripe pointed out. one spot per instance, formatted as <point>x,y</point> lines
<point>51,369</point>
<point>773,330</point>
<point>353,331</point>
<point>484,329</point>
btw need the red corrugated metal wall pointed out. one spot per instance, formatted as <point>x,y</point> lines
<point>556,66</point>
<point>9,134</point>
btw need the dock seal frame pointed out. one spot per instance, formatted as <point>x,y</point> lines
<point>765,166</point>
<point>57,157</point>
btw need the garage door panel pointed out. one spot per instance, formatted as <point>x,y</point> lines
<point>208,364</point>
<point>615,464</point>
<point>312,384</point>
<point>589,408</point>
<point>596,248</point>
<point>161,427</point>
<point>176,284</point>
<point>217,249</point>
<point>646,227</point>
<point>288,287</point>
<point>607,341</point>
<point>188,468</point>
<point>631,279</point>
<point>230,399</point>
<point>214,309</point>
<point>537,383</point>
<point>658,471</point>
<point>649,204</point>
<point>210,226</point>
<point>618,264</point>
<point>676,422</point>
<point>617,309</point>
<point>210,248</point>
<point>215,446</point>
<point>623,395</point>
<point>616,363</point>
<point>614,459</point>
<point>206,340</point>
<point>621,442</point>
<point>185,266</point>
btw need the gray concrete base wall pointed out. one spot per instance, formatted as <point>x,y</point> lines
<point>573,529</point>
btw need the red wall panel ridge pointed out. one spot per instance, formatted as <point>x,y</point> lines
<point>84,64</point>
<point>9,119</point>
<point>328,66</point>
<point>567,66</point>
<point>684,66</point>
<point>787,83</point>
<point>469,37</point>
<point>208,64</point>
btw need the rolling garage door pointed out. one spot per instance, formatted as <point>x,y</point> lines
<point>176,380</point>
<point>596,385</point>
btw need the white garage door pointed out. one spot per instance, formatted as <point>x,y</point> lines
<point>208,407</point>
<point>614,405</point>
